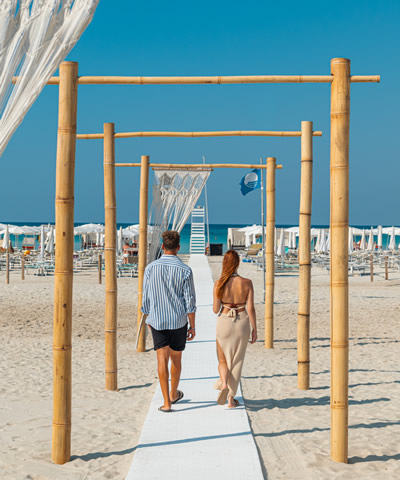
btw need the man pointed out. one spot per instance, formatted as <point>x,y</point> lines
<point>169,300</point>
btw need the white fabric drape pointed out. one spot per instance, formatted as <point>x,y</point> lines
<point>175,193</point>
<point>35,37</point>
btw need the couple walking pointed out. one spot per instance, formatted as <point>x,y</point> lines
<point>169,300</point>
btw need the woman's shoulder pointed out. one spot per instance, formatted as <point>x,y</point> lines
<point>246,280</point>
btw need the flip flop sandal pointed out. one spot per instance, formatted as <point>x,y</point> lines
<point>161,409</point>
<point>179,397</point>
<point>235,404</point>
<point>223,396</point>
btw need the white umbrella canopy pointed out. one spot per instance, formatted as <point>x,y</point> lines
<point>42,246</point>
<point>370,245</point>
<point>281,246</point>
<point>318,240</point>
<point>89,228</point>
<point>119,242</point>
<point>379,243</point>
<point>50,242</point>
<point>6,238</point>
<point>392,243</point>
<point>363,243</point>
<point>351,245</point>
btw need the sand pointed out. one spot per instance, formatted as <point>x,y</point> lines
<point>291,427</point>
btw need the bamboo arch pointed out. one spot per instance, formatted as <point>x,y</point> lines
<point>68,80</point>
<point>306,135</point>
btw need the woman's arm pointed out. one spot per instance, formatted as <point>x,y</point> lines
<point>216,300</point>
<point>252,313</point>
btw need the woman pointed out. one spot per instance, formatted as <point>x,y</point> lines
<point>233,295</point>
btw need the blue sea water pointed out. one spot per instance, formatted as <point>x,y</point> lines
<point>218,234</point>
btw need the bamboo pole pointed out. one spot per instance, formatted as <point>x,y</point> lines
<point>234,133</point>
<point>303,325</point>
<point>371,259</point>
<point>110,241</point>
<point>386,268</point>
<point>63,279</point>
<point>99,262</point>
<point>216,80</point>
<point>270,254</point>
<point>143,212</point>
<point>185,166</point>
<point>7,268</point>
<point>340,121</point>
<point>22,267</point>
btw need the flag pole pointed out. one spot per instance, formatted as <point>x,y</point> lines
<point>262,224</point>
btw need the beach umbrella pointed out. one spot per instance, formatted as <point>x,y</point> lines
<point>327,243</point>
<point>318,241</point>
<point>42,246</point>
<point>281,247</point>
<point>6,239</point>
<point>50,241</point>
<point>380,236</point>
<point>370,245</point>
<point>351,246</point>
<point>363,243</point>
<point>119,242</point>
<point>392,243</point>
<point>275,242</point>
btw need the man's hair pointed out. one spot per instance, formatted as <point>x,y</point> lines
<point>171,240</point>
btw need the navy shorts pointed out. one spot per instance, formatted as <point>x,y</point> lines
<point>174,339</point>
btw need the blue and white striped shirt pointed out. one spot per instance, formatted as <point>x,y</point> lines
<point>168,293</point>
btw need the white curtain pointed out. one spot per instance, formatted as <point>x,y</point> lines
<point>175,193</point>
<point>35,37</point>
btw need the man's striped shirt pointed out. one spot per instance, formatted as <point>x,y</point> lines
<point>168,293</point>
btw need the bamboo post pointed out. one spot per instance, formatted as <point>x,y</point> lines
<point>386,268</point>
<point>143,212</point>
<point>270,254</point>
<point>99,262</point>
<point>7,268</point>
<point>371,259</point>
<point>340,122</point>
<point>110,206</point>
<point>63,279</point>
<point>22,267</point>
<point>303,325</point>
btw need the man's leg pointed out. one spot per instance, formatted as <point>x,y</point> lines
<point>163,375</point>
<point>176,368</point>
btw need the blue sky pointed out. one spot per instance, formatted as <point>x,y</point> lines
<point>221,38</point>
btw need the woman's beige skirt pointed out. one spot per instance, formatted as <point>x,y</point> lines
<point>233,337</point>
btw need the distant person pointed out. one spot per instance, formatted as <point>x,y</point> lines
<point>234,303</point>
<point>125,252</point>
<point>169,300</point>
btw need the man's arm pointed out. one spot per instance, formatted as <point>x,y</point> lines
<point>190,302</point>
<point>145,296</point>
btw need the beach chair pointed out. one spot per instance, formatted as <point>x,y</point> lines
<point>252,252</point>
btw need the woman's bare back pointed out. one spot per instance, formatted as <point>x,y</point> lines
<point>236,290</point>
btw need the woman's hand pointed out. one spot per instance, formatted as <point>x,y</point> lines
<point>253,336</point>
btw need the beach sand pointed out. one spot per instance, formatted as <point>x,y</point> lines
<point>291,427</point>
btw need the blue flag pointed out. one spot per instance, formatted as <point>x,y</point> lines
<point>250,182</point>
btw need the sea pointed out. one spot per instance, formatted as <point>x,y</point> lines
<point>218,234</point>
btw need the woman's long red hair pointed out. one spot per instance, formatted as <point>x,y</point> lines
<point>229,265</point>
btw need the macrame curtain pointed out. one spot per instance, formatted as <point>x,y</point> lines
<point>35,37</point>
<point>175,193</point>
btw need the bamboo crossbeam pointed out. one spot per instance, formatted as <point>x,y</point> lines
<point>200,166</point>
<point>232,133</point>
<point>211,80</point>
